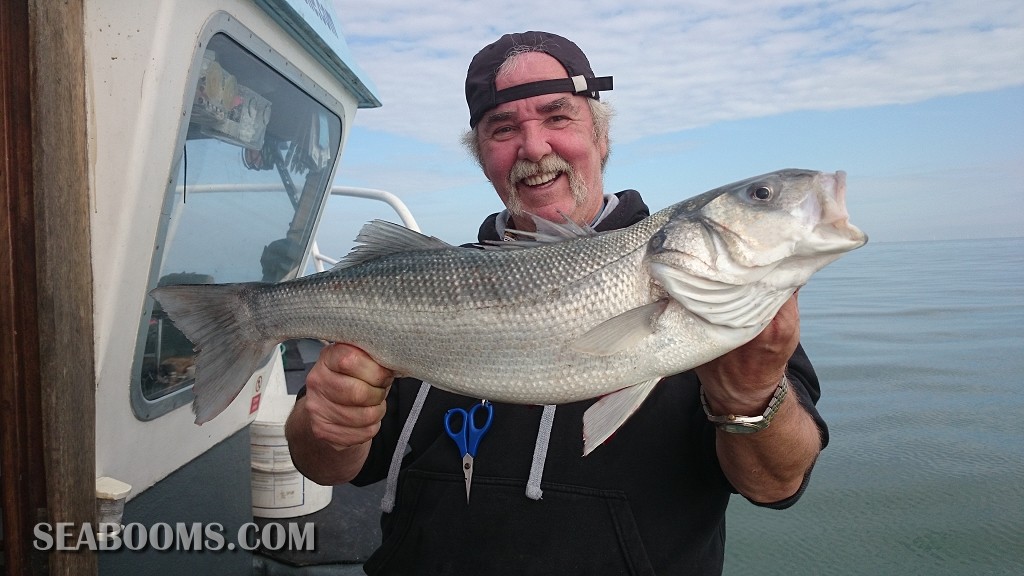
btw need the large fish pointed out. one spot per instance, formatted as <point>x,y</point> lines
<point>548,321</point>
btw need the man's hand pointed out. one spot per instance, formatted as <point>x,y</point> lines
<point>330,430</point>
<point>742,381</point>
<point>345,393</point>
<point>766,466</point>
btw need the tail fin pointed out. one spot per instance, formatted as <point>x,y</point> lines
<point>229,347</point>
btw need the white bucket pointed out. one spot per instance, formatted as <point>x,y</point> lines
<point>278,489</point>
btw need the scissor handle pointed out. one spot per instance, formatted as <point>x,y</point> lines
<point>458,435</point>
<point>476,433</point>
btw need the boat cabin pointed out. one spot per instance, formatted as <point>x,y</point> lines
<point>147,143</point>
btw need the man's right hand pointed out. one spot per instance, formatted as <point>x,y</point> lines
<point>342,410</point>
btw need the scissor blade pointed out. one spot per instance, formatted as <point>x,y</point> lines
<point>467,471</point>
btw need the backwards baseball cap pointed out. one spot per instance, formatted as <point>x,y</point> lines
<point>482,96</point>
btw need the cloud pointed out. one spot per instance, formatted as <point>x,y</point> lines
<point>678,67</point>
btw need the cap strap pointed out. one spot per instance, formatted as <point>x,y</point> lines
<point>575,85</point>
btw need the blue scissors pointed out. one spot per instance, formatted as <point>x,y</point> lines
<point>468,436</point>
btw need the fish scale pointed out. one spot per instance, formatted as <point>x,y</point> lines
<point>565,319</point>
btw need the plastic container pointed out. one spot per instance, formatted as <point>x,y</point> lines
<point>278,489</point>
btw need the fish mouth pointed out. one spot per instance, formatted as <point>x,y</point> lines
<point>835,227</point>
<point>834,212</point>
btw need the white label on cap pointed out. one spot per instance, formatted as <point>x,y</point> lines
<point>579,83</point>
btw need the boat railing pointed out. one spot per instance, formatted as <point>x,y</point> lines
<point>319,259</point>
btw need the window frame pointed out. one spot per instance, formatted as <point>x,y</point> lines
<point>144,408</point>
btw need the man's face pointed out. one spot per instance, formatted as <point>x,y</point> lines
<point>540,153</point>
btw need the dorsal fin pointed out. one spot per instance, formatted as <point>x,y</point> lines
<point>548,232</point>
<point>382,238</point>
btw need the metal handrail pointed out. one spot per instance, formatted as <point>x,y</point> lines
<point>388,198</point>
<point>319,259</point>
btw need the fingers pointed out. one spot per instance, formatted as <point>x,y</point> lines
<point>781,335</point>
<point>346,394</point>
<point>351,361</point>
<point>755,368</point>
<point>347,376</point>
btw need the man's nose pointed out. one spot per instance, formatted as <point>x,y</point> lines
<point>534,144</point>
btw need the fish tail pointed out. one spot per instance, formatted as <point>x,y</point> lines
<point>229,346</point>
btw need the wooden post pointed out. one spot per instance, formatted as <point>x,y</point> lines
<point>64,269</point>
<point>22,476</point>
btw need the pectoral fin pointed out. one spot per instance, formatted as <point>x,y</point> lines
<point>609,413</point>
<point>621,332</point>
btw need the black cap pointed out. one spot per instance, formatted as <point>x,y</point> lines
<point>482,96</point>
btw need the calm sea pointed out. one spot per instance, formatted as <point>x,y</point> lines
<point>920,350</point>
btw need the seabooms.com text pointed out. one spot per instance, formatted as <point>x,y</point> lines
<point>178,536</point>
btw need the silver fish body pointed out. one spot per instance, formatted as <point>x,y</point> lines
<point>568,319</point>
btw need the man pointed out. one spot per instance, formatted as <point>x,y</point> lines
<point>652,499</point>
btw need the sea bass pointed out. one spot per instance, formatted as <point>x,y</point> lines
<point>570,315</point>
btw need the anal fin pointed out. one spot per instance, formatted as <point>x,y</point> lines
<point>602,419</point>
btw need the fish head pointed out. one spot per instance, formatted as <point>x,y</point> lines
<point>752,243</point>
<point>762,221</point>
<point>770,218</point>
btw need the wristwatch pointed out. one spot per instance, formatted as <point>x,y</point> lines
<point>748,424</point>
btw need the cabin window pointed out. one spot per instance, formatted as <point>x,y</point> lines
<point>249,180</point>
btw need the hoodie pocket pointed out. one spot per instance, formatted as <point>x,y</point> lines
<point>571,530</point>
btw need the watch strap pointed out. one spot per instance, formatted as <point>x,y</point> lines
<point>735,423</point>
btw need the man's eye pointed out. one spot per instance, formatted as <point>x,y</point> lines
<point>502,131</point>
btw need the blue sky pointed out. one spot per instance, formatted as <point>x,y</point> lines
<point>922,103</point>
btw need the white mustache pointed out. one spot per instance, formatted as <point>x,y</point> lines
<point>548,164</point>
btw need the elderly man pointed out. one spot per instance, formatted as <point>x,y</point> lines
<point>652,499</point>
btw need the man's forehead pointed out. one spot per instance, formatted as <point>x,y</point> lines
<point>543,105</point>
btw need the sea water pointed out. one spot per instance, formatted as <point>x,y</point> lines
<point>920,350</point>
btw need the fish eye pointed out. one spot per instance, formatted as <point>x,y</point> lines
<point>761,192</point>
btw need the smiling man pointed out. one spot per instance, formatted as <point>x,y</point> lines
<point>542,153</point>
<point>652,500</point>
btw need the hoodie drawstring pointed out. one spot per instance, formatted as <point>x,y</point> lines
<point>387,503</point>
<point>540,453</point>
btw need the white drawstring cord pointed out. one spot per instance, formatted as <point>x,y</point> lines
<point>540,453</point>
<point>387,503</point>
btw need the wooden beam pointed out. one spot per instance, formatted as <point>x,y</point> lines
<point>22,476</point>
<point>64,271</point>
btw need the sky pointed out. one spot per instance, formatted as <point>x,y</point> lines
<point>920,102</point>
